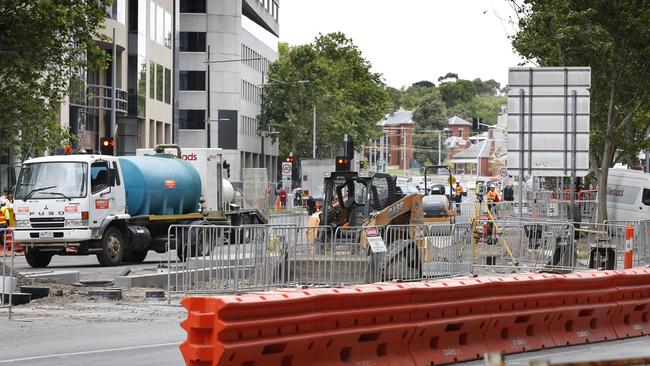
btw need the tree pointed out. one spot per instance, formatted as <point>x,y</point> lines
<point>446,78</point>
<point>487,87</point>
<point>613,38</point>
<point>42,44</point>
<point>429,116</point>
<point>349,99</point>
<point>424,84</point>
<point>460,91</point>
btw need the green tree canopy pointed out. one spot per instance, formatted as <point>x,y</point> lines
<point>348,97</point>
<point>429,116</point>
<point>42,43</point>
<point>613,38</point>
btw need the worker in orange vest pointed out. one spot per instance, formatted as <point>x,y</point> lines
<point>492,197</point>
<point>458,196</point>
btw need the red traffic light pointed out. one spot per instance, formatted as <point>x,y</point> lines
<point>106,145</point>
<point>342,164</point>
<point>289,159</point>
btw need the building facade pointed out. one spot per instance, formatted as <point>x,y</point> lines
<point>222,68</point>
<point>144,38</point>
<point>396,145</point>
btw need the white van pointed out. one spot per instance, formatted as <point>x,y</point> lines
<point>628,195</point>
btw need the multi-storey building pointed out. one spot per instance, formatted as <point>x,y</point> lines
<point>219,100</point>
<point>144,32</point>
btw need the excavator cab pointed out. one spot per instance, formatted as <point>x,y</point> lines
<point>361,201</point>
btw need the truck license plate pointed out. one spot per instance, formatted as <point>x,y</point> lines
<point>47,234</point>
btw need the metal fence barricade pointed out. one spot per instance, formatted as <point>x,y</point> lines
<point>516,246</point>
<point>292,216</point>
<point>7,281</point>
<point>444,253</point>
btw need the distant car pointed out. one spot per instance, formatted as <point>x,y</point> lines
<point>406,189</point>
<point>438,189</point>
<point>470,186</point>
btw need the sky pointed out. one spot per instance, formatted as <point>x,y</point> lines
<point>412,40</point>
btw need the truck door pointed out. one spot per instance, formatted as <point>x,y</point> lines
<point>102,192</point>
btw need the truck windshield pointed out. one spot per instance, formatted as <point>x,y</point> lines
<point>52,180</point>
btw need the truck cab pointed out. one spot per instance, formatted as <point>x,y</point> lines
<point>64,204</point>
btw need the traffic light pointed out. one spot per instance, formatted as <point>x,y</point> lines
<point>362,165</point>
<point>289,159</point>
<point>106,145</point>
<point>226,166</point>
<point>342,164</point>
<point>476,123</point>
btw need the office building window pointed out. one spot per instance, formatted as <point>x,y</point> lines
<point>152,80</point>
<point>159,82</point>
<point>192,42</point>
<point>152,21</point>
<point>192,80</point>
<point>168,86</point>
<point>191,119</point>
<point>193,6</point>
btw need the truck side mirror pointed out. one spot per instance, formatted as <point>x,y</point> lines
<point>111,177</point>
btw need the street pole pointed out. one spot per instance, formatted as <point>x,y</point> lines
<point>113,81</point>
<point>404,149</point>
<point>263,157</point>
<point>439,147</point>
<point>208,113</point>
<point>313,149</point>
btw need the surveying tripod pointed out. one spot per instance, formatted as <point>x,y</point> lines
<point>480,204</point>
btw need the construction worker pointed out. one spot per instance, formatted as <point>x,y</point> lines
<point>458,196</point>
<point>4,213</point>
<point>492,197</point>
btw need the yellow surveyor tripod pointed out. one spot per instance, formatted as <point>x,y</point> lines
<point>491,231</point>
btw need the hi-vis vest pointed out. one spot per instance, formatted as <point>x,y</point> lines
<point>4,216</point>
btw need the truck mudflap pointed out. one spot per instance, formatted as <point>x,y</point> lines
<point>52,235</point>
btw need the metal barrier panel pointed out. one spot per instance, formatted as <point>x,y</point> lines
<point>293,216</point>
<point>602,246</point>
<point>7,271</point>
<point>515,246</point>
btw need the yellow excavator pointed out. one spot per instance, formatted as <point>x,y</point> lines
<point>359,207</point>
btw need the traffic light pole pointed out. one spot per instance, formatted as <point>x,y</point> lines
<point>113,81</point>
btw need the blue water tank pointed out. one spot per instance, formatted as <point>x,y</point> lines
<point>157,185</point>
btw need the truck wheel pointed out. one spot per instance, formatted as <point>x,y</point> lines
<point>136,256</point>
<point>38,259</point>
<point>112,247</point>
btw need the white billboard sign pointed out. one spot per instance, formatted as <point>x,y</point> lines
<point>548,120</point>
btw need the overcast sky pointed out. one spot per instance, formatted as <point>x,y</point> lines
<point>412,40</point>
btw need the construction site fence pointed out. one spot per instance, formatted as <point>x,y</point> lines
<point>530,210</point>
<point>239,259</point>
<point>7,279</point>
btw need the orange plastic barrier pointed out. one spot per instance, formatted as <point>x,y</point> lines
<point>449,318</point>
<point>630,318</point>
<point>583,304</point>
<point>520,310</point>
<point>429,323</point>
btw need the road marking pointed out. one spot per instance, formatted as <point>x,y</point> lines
<point>58,355</point>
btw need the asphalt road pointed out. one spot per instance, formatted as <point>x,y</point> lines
<point>49,342</point>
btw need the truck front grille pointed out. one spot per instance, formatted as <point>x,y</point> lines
<point>47,222</point>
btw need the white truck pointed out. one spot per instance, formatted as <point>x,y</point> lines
<point>628,195</point>
<point>119,208</point>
